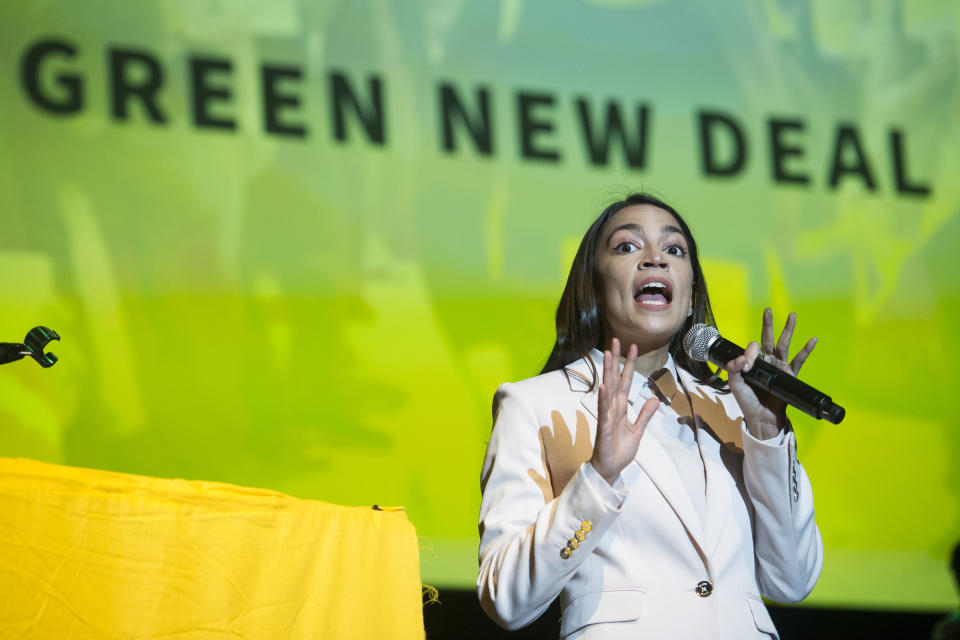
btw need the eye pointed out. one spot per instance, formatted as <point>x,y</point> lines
<point>625,247</point>
<point>676,250</point>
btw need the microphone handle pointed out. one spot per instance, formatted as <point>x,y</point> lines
<point>779,384</point>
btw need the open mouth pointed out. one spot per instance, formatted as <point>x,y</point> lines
<point>653,292</point>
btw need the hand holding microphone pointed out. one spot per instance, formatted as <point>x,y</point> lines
<point>772,381</point>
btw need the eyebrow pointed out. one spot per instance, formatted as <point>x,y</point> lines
<point>633,226</point>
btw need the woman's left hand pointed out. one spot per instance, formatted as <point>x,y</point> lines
<point>764,414</point>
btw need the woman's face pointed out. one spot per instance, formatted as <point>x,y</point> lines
<point>645,276</point>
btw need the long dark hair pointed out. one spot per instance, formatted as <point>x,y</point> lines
<point>579,326</point>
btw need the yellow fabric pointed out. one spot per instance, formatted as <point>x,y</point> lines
<point>94,554</point>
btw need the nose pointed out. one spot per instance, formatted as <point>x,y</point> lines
<point>652,259</point>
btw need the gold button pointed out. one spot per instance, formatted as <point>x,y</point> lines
<point>572,544</point>
<point>565,553</point>
<point>579,535</point>
<point>704,588</point>
<point>586,525</point>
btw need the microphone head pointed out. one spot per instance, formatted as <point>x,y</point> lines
<point>698,340</point>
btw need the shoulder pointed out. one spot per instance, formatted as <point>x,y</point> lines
<point>573,382</point>
<point>575,377</point>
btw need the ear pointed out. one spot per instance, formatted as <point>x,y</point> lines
<point>690,311</point>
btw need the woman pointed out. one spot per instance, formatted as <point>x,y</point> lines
<point>655,502</point>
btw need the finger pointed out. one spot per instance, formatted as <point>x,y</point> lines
<point>614,366</point>
<point>604,391</point>
<point>602,407</point>
<point>783,344</point>
<point>734,369</point>
<point>737,365</point>
<point>802,356</point>
<point>751,354</point>
<point>766,332</point>
<point>740,363</point>
<point>609,377</point>
<point>646,412</point>
<point>626,376</point>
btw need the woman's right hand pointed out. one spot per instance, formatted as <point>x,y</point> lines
<point>617,437</point>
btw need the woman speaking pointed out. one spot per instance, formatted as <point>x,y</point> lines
<point>654,499</point>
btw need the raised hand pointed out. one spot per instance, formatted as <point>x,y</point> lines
<point>764,414</point>
<point>617,437</point>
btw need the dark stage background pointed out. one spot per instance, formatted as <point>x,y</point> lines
<point>458,615</point>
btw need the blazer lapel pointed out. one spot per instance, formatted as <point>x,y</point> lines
<point>718,495</point>
<point>657,465</point>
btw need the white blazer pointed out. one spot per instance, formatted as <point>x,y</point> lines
<point>650,565</point>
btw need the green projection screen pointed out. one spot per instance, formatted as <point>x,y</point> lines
<point>298,244</point>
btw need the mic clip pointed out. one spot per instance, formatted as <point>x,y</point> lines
<point>34,345</point>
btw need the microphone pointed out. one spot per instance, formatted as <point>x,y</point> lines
<point>703,343</point>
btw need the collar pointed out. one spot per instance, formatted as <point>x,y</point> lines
<point>580,374</point>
